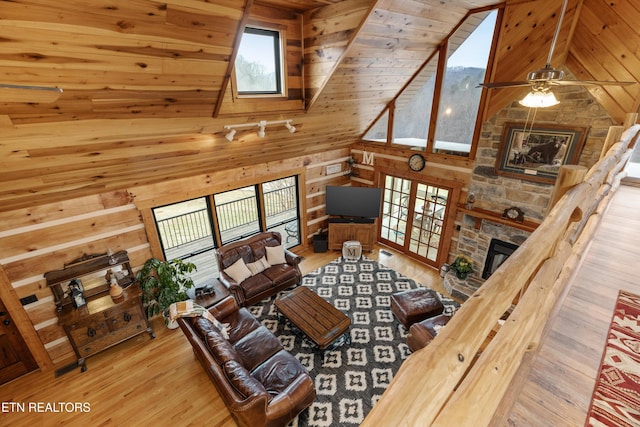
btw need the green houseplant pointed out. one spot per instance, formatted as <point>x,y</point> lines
<point>462,266</point>
<point>163,283</point>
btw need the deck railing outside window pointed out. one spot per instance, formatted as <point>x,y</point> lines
<point>186,228</point>
<point>182,229</point>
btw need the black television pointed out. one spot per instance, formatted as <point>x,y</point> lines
<point>356,202</point>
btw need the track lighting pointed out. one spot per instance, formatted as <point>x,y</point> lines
<point>292,129</point>
<point>262,125</point>
<point>230,134</point>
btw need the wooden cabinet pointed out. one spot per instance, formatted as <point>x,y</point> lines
<point>340,232</point>
<point>104,321</point>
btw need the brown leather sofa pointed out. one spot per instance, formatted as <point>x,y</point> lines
<point>265,283</point>
<point>261,383</point>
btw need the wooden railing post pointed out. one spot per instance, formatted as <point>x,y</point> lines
<point>630,120</point>
<point>613,136</point>
<point>568,176</point>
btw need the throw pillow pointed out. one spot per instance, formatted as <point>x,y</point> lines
<point>264,262</point>
<point>258,266</point>
<point>238,271</point>
<point>275,255</point>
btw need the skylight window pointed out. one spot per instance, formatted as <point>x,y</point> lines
<point>258,66</point>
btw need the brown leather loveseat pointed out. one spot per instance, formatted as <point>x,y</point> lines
<point>254,279</point>
<point>260,382</point>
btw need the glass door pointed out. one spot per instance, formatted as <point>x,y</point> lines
<point>395,210</point>
<point>413,217</point>
<point>429,212</point>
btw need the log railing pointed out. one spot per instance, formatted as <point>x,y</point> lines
<point>447,383</point>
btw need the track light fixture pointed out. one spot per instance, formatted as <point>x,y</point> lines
<point>262,125</point>
<point>292,129</point>
<point>230,134</point>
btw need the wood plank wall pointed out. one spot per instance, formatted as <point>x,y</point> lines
<point>329,32</point>
<point>289,23</point>
<point>44,238</point>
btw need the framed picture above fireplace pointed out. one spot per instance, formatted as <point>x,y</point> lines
<point>536,152</point>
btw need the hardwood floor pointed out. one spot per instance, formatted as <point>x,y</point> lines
<point>557,389</point>
<point>160,382</point>
<point>150,382</point>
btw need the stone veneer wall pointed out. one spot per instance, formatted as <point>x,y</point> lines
<point>496,193</point>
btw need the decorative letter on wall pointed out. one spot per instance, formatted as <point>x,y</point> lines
<point>367,158</point>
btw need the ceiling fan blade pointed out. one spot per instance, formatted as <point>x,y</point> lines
<point>21,93</point>
<point>498,85</point>
<point>588,83</point>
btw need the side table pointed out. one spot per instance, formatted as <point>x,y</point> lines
<point>219,293</point>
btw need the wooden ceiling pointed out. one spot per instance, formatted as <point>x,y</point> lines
<point>142,79</point>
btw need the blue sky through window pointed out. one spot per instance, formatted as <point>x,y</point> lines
<point>258,49</point>
<point>474,52</point>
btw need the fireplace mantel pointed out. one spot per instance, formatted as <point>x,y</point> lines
<point>480,214</point>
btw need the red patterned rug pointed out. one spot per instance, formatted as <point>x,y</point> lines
<point>616,397</point>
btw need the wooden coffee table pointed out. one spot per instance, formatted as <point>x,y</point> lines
<point>321,322</point>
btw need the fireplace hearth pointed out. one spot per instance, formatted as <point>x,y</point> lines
<point>498,253</point>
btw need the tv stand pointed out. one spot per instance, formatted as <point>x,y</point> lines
<point>344,229</point>
<point>352,220</point>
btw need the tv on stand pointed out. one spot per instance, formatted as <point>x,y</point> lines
<point>353,212</point>
<point>353,202</point>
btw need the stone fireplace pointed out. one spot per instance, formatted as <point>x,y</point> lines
<point>488,246</point>
<point>498,253</point>
<point>494,192</point>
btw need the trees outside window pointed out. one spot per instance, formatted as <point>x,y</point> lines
<point>258,66</point>
<point>455,102</point>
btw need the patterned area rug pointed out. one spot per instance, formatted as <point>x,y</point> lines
<point>350,378</point>
<point>616,397</point>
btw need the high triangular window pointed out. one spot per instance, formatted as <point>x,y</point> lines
<point>455,102</point>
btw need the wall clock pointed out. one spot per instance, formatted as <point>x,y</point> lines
<point>513,213</point>
<point>417,162</point>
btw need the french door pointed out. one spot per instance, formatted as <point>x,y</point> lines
<point>414,216</point>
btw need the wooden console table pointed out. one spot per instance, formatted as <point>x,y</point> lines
<point>103,322</point>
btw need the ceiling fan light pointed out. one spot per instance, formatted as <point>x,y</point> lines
<point>539,99</point>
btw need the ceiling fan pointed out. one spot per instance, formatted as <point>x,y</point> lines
<point>542,79</point>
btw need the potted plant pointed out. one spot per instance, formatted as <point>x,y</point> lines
<point>462,266</point>
<point>163,283</point>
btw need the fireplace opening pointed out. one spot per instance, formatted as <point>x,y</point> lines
<point>498,253</point>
